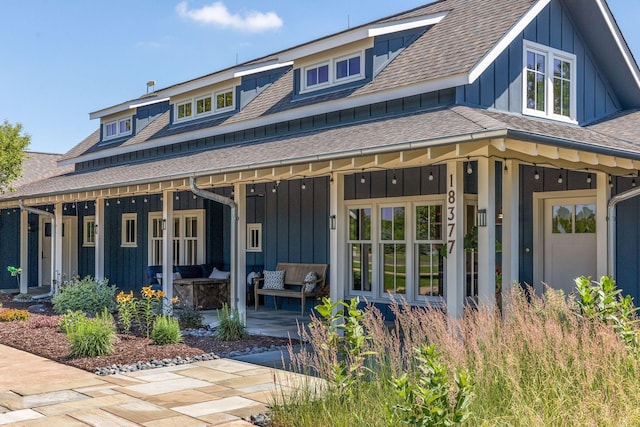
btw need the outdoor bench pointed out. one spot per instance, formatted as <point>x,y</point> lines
<point>294,282</point>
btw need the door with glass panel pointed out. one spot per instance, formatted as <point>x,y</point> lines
<point>393,249</point>
<point>569,241</point>
<point>428,241</point>
<point>188,238</point>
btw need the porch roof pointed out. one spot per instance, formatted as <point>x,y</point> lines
<point>442,132</point>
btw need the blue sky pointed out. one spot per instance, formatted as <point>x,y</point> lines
<point>63,59</point>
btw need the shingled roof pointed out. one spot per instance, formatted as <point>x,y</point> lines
<point>427,127</point>
<point>39,166</point>
<point>450,48</point>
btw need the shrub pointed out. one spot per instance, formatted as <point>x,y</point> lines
<point>88,295</point>
<point>93,337</point>
<point>230,328</point>
<point>70,320</point>
<point>45,322</point>
<point>13,314</point>
<point>166,330</point>
<point>189,318</point>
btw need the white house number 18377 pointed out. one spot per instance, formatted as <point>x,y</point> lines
<point>451,216</point>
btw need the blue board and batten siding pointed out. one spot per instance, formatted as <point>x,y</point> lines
<point>9,246</point>
<point>501,85</point>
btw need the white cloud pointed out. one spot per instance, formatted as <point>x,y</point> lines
<point>217,14</point>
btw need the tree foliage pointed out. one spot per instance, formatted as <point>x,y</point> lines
<point>13,143</point>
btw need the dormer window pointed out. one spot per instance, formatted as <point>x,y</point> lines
<point>549,82</point>
<point>336,71</point>
<point>117,128</point>
<point>204,105</point>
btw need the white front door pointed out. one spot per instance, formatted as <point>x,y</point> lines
<point>69,249</point>
<point>569,241</point>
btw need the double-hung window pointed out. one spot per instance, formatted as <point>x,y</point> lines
<point>188,237</point>
<point>393,249</point>
<point>317,76</point>
<point>549,82</point>
<point>428,244</point>
<point>89,231</point>
<point>129,230</point>
<point>348,68</point>
<point>360,249</point>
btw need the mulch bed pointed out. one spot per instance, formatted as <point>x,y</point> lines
<point>40,335</point>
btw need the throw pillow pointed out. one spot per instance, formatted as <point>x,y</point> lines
<point>177,276</point>
<point>274,279</point>
<point>310,281</point>
<point>219,274</point>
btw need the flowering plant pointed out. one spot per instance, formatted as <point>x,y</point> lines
<point>126,310</point>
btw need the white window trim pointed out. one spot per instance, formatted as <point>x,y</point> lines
<point>333,81</point>
<point>376,294</point>
<point>217,110</point>
<point>251,228</point>
<point>374,252</point>
<point>187,118</point>
<point>360,76</point>
<point>415,242</point>
<point>117,122</point>
<point>550,54</point>
<point>123,242</point>
<point>85,222</point>
<point>199,214</point>
<point>214,105</point>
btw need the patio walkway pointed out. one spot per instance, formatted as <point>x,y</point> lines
<point>39,392</point>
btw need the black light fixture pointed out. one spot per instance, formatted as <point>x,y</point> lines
<point>304,184</point>
<point>394,180</point>
<point>430,175</point>
<point>118,201</point>
<point>482,218</point>
<point>86,206</point>
<point>145,200</point>
<point>506,170</point>
<point>107,203</point>
<point>560,180</point>
<point>362,178</point>
<point>589,179</point>
<point>536,175</point>
<point>469,168</point>
<point>177,196</point>
<point>275,188</point>
<point>133,200</point>
<point>253,188</point>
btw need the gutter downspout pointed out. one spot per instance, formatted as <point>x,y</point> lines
<point>234,281</point>
<point>53,245</point>
<point>611,229</point>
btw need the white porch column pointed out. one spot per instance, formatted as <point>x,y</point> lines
<point>337,239</point>
<point>100,232</point>
<point>240,197</point>
<point>57,254</point>
<point>510,226</point>
<point>24,251</point>
<point>454,286</point>
<point>603,194</point>
<point>487,234</point>
<point>167,244</point>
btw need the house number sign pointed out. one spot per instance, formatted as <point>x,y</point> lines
<point>451,214</point>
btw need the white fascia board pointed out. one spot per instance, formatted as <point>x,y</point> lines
<point>619,39</point>
<point>506,40</point>
<point>246,71</point>
<point>143,104</point>
<point>298,113</point>
<point>405,24</point>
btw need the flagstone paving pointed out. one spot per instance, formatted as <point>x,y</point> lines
<point>39,392</point>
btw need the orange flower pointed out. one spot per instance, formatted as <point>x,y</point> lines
<point>174,300</point>
<point>160,294</point>
<point>147,292</point>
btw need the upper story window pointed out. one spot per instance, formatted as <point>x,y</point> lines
<point>116,128</point>
<point>211,103</point>
<point>549,82</point>
<point>337,71</point>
